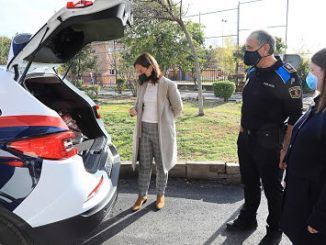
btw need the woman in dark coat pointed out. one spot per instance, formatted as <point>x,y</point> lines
<point>304,207</point>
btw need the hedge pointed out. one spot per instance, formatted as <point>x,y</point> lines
<point>224,89</point>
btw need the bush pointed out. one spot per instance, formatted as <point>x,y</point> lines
<point>207,81</point>
<point>224,89</point>
<point>79,83</point>
<point>92,91</point>
<point>120,86</point>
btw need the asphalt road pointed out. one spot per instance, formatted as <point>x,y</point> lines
<point>195,213</point>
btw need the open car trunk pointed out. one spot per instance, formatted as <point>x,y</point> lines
<point>79,115</point>
<point>59,40</point>
<point>69,30</point>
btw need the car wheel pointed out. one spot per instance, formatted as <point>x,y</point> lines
<point>10,235</point>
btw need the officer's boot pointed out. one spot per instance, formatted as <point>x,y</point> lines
<point>244,222</point>
<point>272,237</point>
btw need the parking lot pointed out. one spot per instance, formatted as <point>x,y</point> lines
<point>195,213</point>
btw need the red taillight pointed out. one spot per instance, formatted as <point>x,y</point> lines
<point>96,110</point>
<point>95,190</point>
<point>79,4</point>
<point>13,163</point>
<point>54,146</point>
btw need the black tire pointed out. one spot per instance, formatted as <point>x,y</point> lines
<point>10,235</point>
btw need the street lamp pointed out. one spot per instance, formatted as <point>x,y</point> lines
<point>223,21</point>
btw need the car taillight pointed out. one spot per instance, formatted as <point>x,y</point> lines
<point>96,110</point>
<point>53,147</point>
<point>13,163</point>
<point>79,4</point>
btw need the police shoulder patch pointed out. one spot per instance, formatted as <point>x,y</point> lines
<point>250,70</point>
<point>289,68</point>
<point>283,74</point>
<point>295,92</point>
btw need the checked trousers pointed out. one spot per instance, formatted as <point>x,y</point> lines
<point>149,148</point>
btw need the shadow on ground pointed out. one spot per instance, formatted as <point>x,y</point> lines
<point>191,189</point>
<point>116,224</point>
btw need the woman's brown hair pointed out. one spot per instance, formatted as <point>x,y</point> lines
<point>147,60</point>
<point>319,59</point>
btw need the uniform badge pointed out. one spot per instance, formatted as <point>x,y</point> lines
<point>289,68</point>
<point>295,92</point>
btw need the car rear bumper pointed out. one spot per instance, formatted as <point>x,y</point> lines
<point>73,230</point>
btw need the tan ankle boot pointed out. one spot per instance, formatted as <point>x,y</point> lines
<point>139,202</point>
<point>160,201</point>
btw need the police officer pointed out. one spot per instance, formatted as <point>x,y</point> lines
<point>272,96</point>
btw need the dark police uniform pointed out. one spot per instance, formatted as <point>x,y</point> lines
<point>305,193</point>
<point>270,97</point>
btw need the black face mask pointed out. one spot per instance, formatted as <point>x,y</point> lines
<point>143,78</point>
<point>251,58</point>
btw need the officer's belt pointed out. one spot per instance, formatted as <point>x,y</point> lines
<point>262,131</point>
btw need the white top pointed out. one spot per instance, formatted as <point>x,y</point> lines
<point>150,104</point>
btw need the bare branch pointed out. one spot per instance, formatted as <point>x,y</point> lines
<point>170,5</point>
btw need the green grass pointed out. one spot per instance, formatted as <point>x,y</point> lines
<point>210,137</point>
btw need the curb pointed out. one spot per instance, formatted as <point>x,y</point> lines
<point>222,172</point>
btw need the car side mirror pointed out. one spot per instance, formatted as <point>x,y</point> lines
<point>293,59</point>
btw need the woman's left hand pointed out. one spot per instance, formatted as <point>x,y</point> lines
<point>312,230</point>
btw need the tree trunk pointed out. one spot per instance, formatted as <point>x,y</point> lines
<point>197,68</point>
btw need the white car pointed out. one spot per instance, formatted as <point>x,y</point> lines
<point>59,170</point>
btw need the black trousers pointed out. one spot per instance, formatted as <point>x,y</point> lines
<point>259,155</point>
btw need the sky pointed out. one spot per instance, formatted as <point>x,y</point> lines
<point>305,22</point>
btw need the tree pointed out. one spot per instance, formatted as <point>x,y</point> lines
<point>169,10</point>
<point>169,47</point>
<point>4,49</point>
<point>126,70</point>
<point>280,46</point>
<point>82,62</point>
<point>303,71</point>
<point>225,57</point>
<point>209,60</point>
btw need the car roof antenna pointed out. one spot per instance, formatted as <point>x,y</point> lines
<point>22,78</point>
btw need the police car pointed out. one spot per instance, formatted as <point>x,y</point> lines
<point>59,170</point>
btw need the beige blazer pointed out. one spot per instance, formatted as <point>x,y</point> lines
<point>169,106</point>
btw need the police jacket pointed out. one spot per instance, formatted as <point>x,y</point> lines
<point>271,96</point>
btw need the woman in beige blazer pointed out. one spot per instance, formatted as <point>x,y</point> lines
<point>158,104</point>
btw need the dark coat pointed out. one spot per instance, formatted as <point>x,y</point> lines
<point>305,193</point>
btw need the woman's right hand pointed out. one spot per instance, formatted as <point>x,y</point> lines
<point>132,112</point>
<point>282,165</point>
